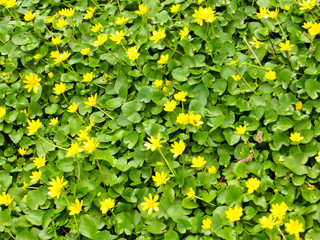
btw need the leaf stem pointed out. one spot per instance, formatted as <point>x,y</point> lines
<point>167,162</point>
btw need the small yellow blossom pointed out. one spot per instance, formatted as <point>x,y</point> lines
<point>160,178</point>
<point>132,53</point>
<point>204,14</point>
<point>315,29</point>
<point>163,59</point>
<point>2,112</point>
<point>169,106</point>
<point>59,88</point>
<point>118,36</point>
<point>67,12</point>
<point>294,227</point>
<point>287,7</point>
<point>307,25</point>
<point>299,106</point>
<point>85,51</point>
<point>10,3</point>
<point>206,223</point>
<point>268,222</point>
<point>285,46</point>
<point>91,124</point>
<point>37,56</point>
<point>82,135</point>
<point>274,14</point>
<point>175,8</point>
<point>89,14</point>
<point>56,187</point>
<point>88,77</point>
<point>191,193</point>
<point>90,145</point>
<point>194,119</point>
<point>236,77</point>
<point>61,23</point>
<point>54,121</point>
<point>234,214</point>
<point>73,108</point>
<point>154,143</point>
<point>158,35</point>
<point>198,162</point>
<point>51,19</point>
<point>32,82</point>
<point>307,4</point>
<point>234,62</point>
<point>183,119</point>
<point>122,20</point>
<point>168,83</point>
<point>106,205</point>
<point>212,170</point>
<point>165,89</point>
<point>101,40</point>
<point>184,32</point>
<point>150,204</point>
<point>142,9</point>
<point>73,150</point>
<point>318,157</point>
<point>241,130</point>
<point>177,148</point>
<point>22,151</point>
<point>180,96</point>
<point>295,137</point>
<point>95,28</point>
<point>33,126</point>
<point>29,16</point>
<point>279,210</point>
<point>252,184</point>
<point>158,83</point>
<point>271,75</point>
<point>160,163</point>
<point>91,101</point>
<point>264,13</point>
<point>56,40</point>
<point>25,185</point>
<point>5,199</point>
<point>256,42</point>
<point>75,208</point>
<point>39,161</point>
<point>35,176</point>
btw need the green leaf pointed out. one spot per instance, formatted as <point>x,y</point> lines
<point>156,227</point>
<point>35,199</point>
<point>180,74</point>
<point>89,225</point>
<point>66,164</point>
<point>295,163</point>
<point>312,87</point>
<point>16,136</point>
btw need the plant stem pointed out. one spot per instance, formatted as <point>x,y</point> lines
<point>171,47</point>
<point>52,144</point>
<point>145,19</point>
<point>254,54</point>
<point>281,233</point>
<point>104,112</point>
<point>213,34</point>
<point>15,18</point>
<point>130,34</point>
<point>205,201</point>
<point>7,230</point>
<point>167,162</point>
<point>79,170</point>
<point>246,81</point>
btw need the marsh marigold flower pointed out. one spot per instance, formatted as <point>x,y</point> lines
<point>2,112</point>
<point>143,9</point>
<point>33,126</point>
<point>160,178</point>
<point>32,82</point>
<point>73,150</point>
<point>234,214</point>
<point>39,161</point>
<point>206,223</point>
<point>5,199</point>
<point>151,204</point>
<point>180,96</point>
<point>76,207</point>
<point>241,130</point>
<point>59,88</point>
<point>163,59</point>
<point>132,53</point>
<point>91,101</point>
<point>252,184</point>
<point>177,148</point>
<point>158,35</point>
<point>294,227</point>
<point>295,137</point>
<point>154,143</point>
<point>169,106</point>
<point>56,187</point>
<point>198,162</point>
<point>285,46</point>
<point>271,75</point>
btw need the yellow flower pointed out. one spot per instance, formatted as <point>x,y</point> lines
<point>5,199</point>
<point>204,14</point>
<point>82,135</point>
<point>307,4</point>
<point>2,112</point>
<point>191,193</point>
<point>234,62</point>
<point>269,222</point>
<point>318,157</point>
<point>160,178</point>
<point>10,3</point>
<point>295,137</point>
<point>236,77</point>
<point>177,148</point>
<point>76,207</point>
<point>32,82</point>
<point>206,223</point>
<point>168,83</point>
<point>91,101</point>
<point>85,51</point>
<point>180,96</point>
<point>88,77</point>
<point>271,75</point>
<point>25,185</point>
<point>35,176</point>
<point>163,59</point>
<point>252,184</point>
<point>194,119</point>
<point>279,210</point>
<point>175,8</point>
<point>56,187</point>
<point>274,14</point>
<point>90,145</point>
<point>89,14</point>
<point>22,151</point>
<point>315,29</point>
<point>122,20</point>
<point>154,143</point>
<point>160,163</point>
<point>101,40</point>
<point>184,32</point>
<point>39,161</point>
<point>150,204</point>
<point>294,227</point>
<point>256,42</point>
<point>158,83</point>
<point>169,106</point>
<point>106,205</point>
<point>183,119</point>
<point>33,126</point>
<point>37,56</point>
<point>51,19</point>
<point>287,7</point>
<point>285,46</point>
<point>53,121</point>
<point>61,23</point>
<point>91,124</point>
<point>142,9</point>
<point>264,13</point>
<point>241,130</point>
<point>212,170</point>
<point>198,162</point>
<point>29,16</point>
<point>67,12</point>
<point>73,108</point>
<point>56,40</point>
<point>58,58</point>
<point>299,106</point>
<point>158,35</point>
<point>118,36</point>
<point>307,25</point>
<point>165,89</point>
<point>96,27</point>
<point>234,214</point>
<point>73,150</point>
<point>59,88</point>
<point>132,53</point>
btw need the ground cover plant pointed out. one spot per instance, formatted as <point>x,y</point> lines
<point>157,119</point>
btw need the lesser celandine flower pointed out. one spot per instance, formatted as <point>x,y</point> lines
<point>154,143</point>
<point>61,23</point>
<point>212,170</point>
<point>234,214</point>
<point>252,184</point>
<point>294,227</point>
<point>183,33</point>
<point>271,75</point>
<point>39,161</point>
<point>206,223</point>
<point>264,13</point>
<point>95,28</point>
<point>180,96</point>
<point>236,77</point>
<point>73,150</point>
<point>160,178</point>
<point>91,101</point>
<point>76,207</point>
<point>90,145</point>
<point>59,88</point>
<point>142,9</point>
<point>177,148</point>
<point>56,187</point>
<point>314,29</point>
<point>194,119</point>
<point>5,199</point>
<point>307,4</point>
<point>2,112</point>
<point>51,19</point>
<point>163,59</point>
<point>118,36</point>
<point>22,151</point>
<point>88,77</point>
<point>35,177</point>
<point>101,40</point>
<point>73,108</point>
<point>169,106</point>
<point>307,25</point>
<point>191,193</point>
<point>132,53</point>
<point>85,51</point>
<point>56,40</point>
<point>274,14</point>
<point>67,12</point>
<point>151,204</point>
<point>175,8</point>
<point>279,210</point>
<point>318,157</point>
<point>299,106</point>
<point>37,56</point>
<point>160,163</point>
<point>203,14</point>
<point>296,137</point>
<point>158,35</point>
<point>10,3</point>
<point>33,126</point>
<point>198,162</point>
<point>241,130</point>
<point>285,46</point>
<point>158,83</point>
<point>54,121</point>
<point>89,14</point>
<point>256,42</point>
<point>287,7</point>
<point>29,16</point>
<point>122,20</point>
<point>82,135</point>
<point>183,119</point>
<point>106,205</point>
<point>268,222</point>
<point>32,82</point>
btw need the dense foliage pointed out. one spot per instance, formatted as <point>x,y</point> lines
<point>176,119</point>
